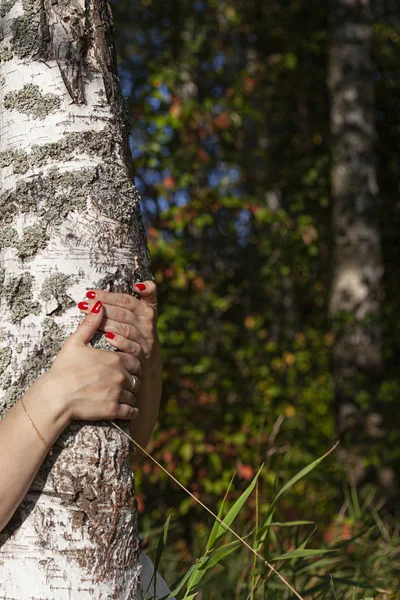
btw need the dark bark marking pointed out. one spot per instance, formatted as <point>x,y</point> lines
<point>102,40</point>
<point>83,40</point>
<point>107,510</point>
<point>68,42</point>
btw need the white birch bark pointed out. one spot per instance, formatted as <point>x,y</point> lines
<point>70,221</point>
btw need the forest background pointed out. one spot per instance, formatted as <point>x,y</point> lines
<point>232,146</point>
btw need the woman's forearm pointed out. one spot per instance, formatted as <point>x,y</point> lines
<point>148,399</point>
<point>21,450</point>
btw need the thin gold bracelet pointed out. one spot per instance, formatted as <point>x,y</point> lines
<point>36,429</point>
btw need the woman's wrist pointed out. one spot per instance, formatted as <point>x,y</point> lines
<point>46,407</point>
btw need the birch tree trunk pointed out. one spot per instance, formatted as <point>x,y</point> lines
<point>70,221</point>
<point>356,293</point>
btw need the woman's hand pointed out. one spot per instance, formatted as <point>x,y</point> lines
<point>93,384</point>
<point>130,324</point>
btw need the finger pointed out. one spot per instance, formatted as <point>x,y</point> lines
<point>113,312</point>
<point>128,346</point>
<point>89,325</point>
<point>127,398</point>
<point>147,290</point>
<point>129,332</point>
<point>126,412</point>
<point>126,302</point>
<point>131,365</point>
<point>124,363</point>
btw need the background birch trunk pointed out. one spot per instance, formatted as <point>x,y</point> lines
<point>357,289</point>
<point>70,221</point>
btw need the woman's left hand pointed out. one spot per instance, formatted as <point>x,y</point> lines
<point>130,324</point>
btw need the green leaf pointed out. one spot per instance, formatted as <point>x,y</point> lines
<point>299,553</point>
<point>197,574</point>
<point>302,474</point>
<point>236,508</point>
<point>265,527</point>
<point>220,553</point>
<point>214,530</point>
<point>184,579</point>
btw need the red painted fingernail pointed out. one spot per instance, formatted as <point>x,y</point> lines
<point>83,305</point>
<point>110,335</point>
<point>91,295</point>
<point>140,286</point>
<point>97,308</point>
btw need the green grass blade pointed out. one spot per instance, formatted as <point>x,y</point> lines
<point>197,575</point>
<point>265,527</point>
<point>214,531</point>
<point>184,579</point>
<point>300,553</point>
<point>302,474</point>
<point>236,508</point>
<point>220,553</point>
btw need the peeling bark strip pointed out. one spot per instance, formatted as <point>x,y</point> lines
<point>356,293</point>
<point>82,34</point>
<point>69,221</point>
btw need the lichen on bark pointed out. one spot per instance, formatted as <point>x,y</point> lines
<point>55,288</point>
<point>6,54</point>
<point>5,359</point>
<point>6,6</point>
<point>101,144</point>
<point>12,395</point>
<point>18,159</point>
<point>108,185</point>
<point>8,237</point>
<point>30,34</point>
<point>51,197</point>
<point>18,295</point>
<point>30,101</point>
<point>34,239</point>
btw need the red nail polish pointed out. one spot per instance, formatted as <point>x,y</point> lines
<point>91,295</point>
<point>110,335</point>
<point>83,305</point>
<point>140,286</point>
<point>97,308</point>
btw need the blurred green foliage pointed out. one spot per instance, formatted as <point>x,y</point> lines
<point>231,145</point>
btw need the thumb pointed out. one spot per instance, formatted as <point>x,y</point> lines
<point>90,324</point>
<point>147,292</point>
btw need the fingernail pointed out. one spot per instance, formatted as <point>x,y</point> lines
<point>97,308</point>
<point>83,305</point>
<point>110,335</point>
<point>140,286</point>
<point>91,295</point>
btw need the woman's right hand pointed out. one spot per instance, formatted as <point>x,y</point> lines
<point>93,384</point>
